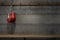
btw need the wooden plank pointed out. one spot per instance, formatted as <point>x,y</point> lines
<point>31,4</point>
<point>29,36</point>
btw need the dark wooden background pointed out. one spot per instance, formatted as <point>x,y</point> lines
<point>33,16</point>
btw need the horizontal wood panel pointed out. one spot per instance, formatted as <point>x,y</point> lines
<point>34,19</point>
<point>29,36</point>
<point>31,4</point>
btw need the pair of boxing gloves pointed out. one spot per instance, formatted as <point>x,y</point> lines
<point>11,17</point>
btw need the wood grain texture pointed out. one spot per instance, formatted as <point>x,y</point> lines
<point>29,36</point>
<point>31,4</point>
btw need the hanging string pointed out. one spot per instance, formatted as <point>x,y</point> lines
<point>11,7</point>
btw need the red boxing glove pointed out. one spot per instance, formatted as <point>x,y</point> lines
<point>9,20</point>
<point>11,17</point>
